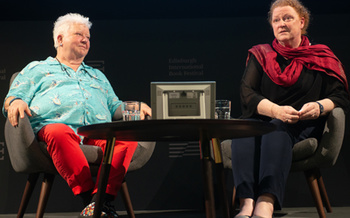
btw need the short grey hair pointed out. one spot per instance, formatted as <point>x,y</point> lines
<point>63,23</point>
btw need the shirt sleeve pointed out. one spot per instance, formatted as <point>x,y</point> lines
<point>23,86</point>
<point>336,92</point>
<point>250,92</point>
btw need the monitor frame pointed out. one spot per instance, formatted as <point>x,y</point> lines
<point>160,95</point>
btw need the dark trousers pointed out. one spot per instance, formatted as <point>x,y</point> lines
<point>261,164</point>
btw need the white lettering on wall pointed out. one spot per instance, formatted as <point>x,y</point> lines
<point>3,74</point>
<point>180,67</point>
<point>2,150</point>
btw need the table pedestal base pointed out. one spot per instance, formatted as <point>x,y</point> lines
<point>207,166</point>
<point>104,175</point>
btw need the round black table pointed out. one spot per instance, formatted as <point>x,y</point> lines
<point>203,130</point>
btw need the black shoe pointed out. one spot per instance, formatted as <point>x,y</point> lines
<point>109,209</point>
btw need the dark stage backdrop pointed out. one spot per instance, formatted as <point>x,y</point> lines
<point>134,52</point>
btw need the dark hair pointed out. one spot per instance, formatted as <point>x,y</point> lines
<point>298,7</point>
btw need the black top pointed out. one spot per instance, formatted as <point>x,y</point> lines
<point>311,86</point>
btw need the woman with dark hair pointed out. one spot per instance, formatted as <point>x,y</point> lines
<point>294,85</point>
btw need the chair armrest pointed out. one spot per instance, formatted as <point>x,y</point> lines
<point>142,154</point>
<point>118,114</point>
<point>226,153</point>
<point>329,146</point>
<point>25,152</point>
<point>333,136</point>
<point>93,154</point>
<point>143,151</point>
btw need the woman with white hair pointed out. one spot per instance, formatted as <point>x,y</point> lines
<point>63,93</point>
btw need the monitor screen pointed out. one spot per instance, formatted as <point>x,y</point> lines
<point>183,100</point>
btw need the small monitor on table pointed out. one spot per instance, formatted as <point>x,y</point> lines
<point>183,100</point>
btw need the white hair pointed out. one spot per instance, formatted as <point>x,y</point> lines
<point>63,23</point>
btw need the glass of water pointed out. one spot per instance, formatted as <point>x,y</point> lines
<point>131,110</point>
<point>222,109</point>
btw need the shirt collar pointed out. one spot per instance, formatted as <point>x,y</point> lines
<point>53,61</point>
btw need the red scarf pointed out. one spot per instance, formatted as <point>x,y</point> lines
<point>314,57</point>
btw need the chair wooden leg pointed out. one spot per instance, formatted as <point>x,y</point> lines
<point>311,177</point>
<point>233,204</point>
<point>28,190</point>
<point>324,193</point>
<point>44,194</point>
<point>127,201</point>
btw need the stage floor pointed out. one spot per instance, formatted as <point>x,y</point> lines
<point>309,212</point>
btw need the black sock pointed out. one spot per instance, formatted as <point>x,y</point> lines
<point>86,197</point>
<point>107,197</point>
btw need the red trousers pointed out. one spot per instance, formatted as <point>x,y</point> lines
<point>71,164</point>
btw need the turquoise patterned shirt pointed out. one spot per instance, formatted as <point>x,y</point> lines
<point>57,94</point>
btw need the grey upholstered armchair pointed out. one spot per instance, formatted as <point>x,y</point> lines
<point>29,156</point>
<point>309,156</point>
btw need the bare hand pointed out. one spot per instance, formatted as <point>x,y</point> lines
<point>285,113</point>
<point>309,111</point>
<point>17,108</point>
<point>145,110</point>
